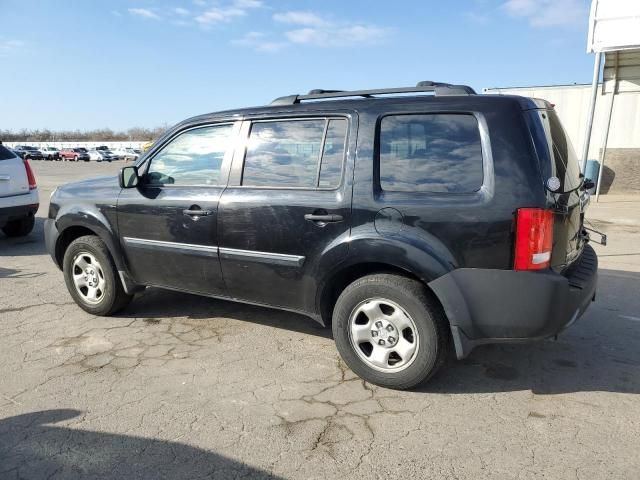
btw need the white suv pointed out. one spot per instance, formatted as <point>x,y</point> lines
<point>18,194</point>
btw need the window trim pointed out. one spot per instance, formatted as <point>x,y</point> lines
<point>241,152</point>
<point>225,168</point>
<point>486,190</point>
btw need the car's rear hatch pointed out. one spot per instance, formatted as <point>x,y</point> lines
<point>558,159</point>
<point>13,175</point>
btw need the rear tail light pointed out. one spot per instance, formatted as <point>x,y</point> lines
<point>30,176</point>
<point>534,239</point>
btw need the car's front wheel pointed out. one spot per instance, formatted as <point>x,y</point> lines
<point>92,278</point>
<point>389,331</point>
<point>19,227</point>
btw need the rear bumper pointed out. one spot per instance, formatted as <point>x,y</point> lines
<point>18,206</point>
<point>505,306</point>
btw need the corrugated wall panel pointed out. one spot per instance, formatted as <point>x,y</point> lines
<point>572,105</point>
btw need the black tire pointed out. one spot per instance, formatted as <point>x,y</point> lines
<point>114,297</point>
<point>430,322</point>
<point>20,227</point>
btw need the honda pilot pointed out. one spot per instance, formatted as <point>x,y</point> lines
<point>414,221</point>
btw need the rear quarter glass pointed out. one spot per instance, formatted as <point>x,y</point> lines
<point>6,154</point>
<point>555,151</point>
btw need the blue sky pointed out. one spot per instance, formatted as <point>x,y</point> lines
<point>78,64</point>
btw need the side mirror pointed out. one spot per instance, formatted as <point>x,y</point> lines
<point>129,177</point>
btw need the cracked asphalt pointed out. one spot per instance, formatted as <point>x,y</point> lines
<point>183,387</point>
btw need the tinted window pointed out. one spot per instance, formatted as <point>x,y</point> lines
<point>567,168</point>
<point>430,153</point>
<point>5,153</point>
<point>333,154</point>
<point>283,153</point>
<point>192,158</point>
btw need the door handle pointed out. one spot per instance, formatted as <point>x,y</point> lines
<point>197,213</point>
<point>327,218</point>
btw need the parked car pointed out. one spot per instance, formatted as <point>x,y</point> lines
<point>457,221</point>
<point>18,194</point>
<point>127,154</point>
<point>27,152</point>
<point>75,154</point>
<point>96,155</point>
<point>110,155</point>
<point>50,153</point>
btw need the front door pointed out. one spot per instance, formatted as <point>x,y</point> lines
<point>288,203</point>
<point>168,224</point>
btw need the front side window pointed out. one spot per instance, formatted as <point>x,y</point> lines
<point>192,158</point>
<point>436,153</point>
<point>290,153</point>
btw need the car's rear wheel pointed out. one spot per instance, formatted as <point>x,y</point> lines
<point>92,278</point>
<point>389,331</point>
<point>20,227</point>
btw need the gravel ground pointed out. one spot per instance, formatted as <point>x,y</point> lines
<point>183,387</point>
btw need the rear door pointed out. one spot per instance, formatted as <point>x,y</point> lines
<point>13,175</point>
<point>287,204</point>
<point>168,224</point>
<point>558,159</point>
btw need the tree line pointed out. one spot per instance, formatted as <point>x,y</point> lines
<point>97,135</point>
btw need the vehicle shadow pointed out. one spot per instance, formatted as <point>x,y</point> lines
<point>32,244</point>
<point>31,446</point>
<point>598,354</point>
<point>155,303</point>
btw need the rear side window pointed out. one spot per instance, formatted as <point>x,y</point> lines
<point>333,154</point>
<point>435,153</point>
<point>295,153</point>
<point>5,153</point>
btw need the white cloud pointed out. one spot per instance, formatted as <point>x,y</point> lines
<point>248,3</point>
<point>181,11</point>
<point>144,12</point>
<point>219,15</point>
<point>320,31</point>
<point>307,19</point>
<point>260,42</point>
<point>9,47</point>
<point>223,14</point>
<point>338,36</point>
<point>549,13</point>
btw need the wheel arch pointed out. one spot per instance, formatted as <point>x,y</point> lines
<point>334,284</point>
<point>76,224</point>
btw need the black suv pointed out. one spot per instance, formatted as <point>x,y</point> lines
<point>411,223</point>
<point>28,153</point>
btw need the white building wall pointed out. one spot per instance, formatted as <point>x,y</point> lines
<point>572,104</point>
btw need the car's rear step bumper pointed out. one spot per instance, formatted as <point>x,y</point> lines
<point>498,306</point>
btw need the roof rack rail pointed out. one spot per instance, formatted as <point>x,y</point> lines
<point>438,88</point>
